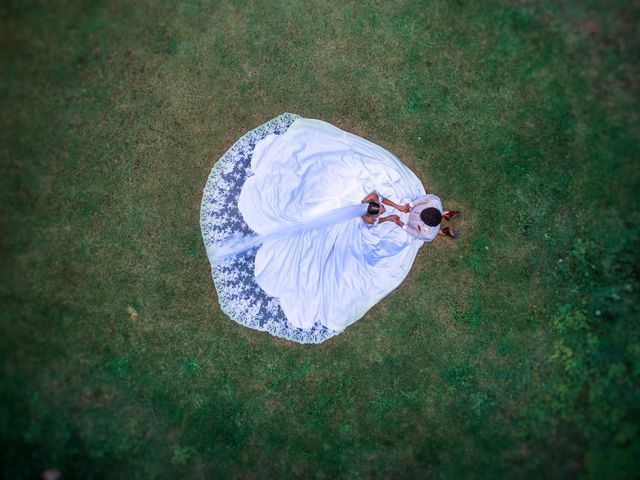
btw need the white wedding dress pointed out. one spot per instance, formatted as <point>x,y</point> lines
<point>312,284</point>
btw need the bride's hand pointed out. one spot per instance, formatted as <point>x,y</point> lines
<point>395,219</point>
<point>405,208</point>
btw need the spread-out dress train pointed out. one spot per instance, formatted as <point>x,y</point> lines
<point>312,284</point>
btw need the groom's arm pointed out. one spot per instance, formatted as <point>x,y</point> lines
<point>414,232</point>
<point>419,201</point>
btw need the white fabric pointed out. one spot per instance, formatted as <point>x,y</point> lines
<point>333,275</point>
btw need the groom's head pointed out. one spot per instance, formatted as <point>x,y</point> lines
<point>431,216</point>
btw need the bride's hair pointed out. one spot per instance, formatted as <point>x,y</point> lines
<point>373,208</point>
<point>431,216</point>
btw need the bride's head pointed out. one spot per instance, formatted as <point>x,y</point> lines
<point>373,209</point>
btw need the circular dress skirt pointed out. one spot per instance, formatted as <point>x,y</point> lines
<point>312,284</point>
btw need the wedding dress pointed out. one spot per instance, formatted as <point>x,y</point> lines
<point>310,285</point>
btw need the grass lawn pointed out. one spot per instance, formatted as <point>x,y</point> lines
<point>513,352</point>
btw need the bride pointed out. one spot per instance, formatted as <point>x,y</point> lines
<point>312,284</point>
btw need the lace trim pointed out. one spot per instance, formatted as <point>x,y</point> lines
<point>240,297</point>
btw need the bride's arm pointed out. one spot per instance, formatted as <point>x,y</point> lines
<point>402,208</point>
<point>373,196</point>
<point>392,218</point>
<point>388,218</point>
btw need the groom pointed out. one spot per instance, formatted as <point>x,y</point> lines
<point>424,220</point>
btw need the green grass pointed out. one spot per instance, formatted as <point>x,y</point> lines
<point>512,352</point>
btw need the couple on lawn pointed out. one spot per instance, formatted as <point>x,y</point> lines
<point>311,285</point>
<point>423,220</point>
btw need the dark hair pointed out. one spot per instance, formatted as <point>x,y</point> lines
<point>373,208</point>
<point>431,216</point>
